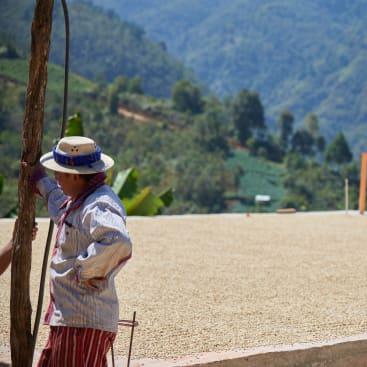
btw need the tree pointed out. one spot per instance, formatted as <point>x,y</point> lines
<point>320,143</point>
<point>113,102</point>
<point>135,86</point>
<point>338,150</point>
<point>122,84</point>
<point>186,97</point>
<point>265,147</point>
<point>21,338</point>
<point>211,130</point>
<point>295,161</point>
<point>8,52</point>
<point>312,185</point>
<point>285,124</point>
<point>312,126</point>
<point>247,114</point>
<point>203,181</point>
<point>303,142</point>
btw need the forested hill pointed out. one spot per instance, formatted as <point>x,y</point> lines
<point>202,147</point>
<point>102,46</point>
<point>304,55</point>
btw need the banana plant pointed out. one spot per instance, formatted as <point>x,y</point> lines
<point>143,202</point>
<point>74,126</point>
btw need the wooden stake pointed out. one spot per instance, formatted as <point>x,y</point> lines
<point>20,305</point>
<point>363,183</point>
<point>346,193</point>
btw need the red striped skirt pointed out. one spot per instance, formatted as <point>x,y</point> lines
<point>76,347</point>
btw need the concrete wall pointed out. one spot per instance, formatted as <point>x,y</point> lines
<point>353,354</point>
<point>346,352</point>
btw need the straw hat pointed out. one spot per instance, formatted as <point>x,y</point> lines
<point>77,154</point>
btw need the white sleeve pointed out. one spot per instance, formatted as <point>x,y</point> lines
<point>111,246</point>
<point>54,197</point>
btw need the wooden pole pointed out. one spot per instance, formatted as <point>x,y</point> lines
<point>363,183</point>
<point>20,305</point>
<point>346,193</point>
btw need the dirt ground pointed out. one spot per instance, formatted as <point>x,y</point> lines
<point>221,282</point>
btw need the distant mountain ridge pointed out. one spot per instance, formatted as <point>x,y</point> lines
<point>308,56</point>
<point>101,45</point>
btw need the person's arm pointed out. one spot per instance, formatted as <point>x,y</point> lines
<point>49,190</point>
<point>5,252</point>
<point>54,196</point>
<point>111,246</point>
<point>5,256</point>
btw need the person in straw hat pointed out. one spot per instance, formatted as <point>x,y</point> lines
<point>92,244</point>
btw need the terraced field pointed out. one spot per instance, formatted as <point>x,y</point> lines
<point>259,177</point>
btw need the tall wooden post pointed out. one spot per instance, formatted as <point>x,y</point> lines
<point>363,184</point>
<point>20,305</point>
<point>346,195</point>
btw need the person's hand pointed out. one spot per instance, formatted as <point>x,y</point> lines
<point>37,172</point>
<point>34,230</point>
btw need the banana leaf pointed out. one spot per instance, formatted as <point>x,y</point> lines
<point>125,184</point>
<point>145,203</point>
<point>12,213</point>
<point>166,196</point>
<point>74,126</point>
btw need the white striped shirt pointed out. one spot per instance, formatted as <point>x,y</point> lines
<point>93,242</point>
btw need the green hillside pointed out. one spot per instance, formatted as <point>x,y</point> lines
<point>190,142</point>
<point>17,70</point>
<point>102,46</point>
<point>306,56</point>
<point>165,145</point>
<point>13,84</point>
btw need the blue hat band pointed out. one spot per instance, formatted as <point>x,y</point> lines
<point>77,161</point>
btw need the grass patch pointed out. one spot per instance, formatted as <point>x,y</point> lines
<point>259,177</point>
